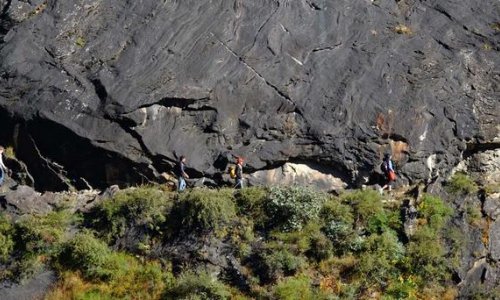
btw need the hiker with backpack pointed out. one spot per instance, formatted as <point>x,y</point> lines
<point>238,173</point>
<point>180,171</point>
<point>3,168</point>
<point>387,167</point>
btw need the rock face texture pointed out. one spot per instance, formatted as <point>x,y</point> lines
<point>98,92</point>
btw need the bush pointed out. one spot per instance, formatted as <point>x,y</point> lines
<point>295,288</point>
<point>460,183</point>
<point>402,288</point>
<point>89,255</point>
<point>335,210</point>
<point>203,210</point>
<point>279,262</point>
<point>425,255</point>
<point>291,207</point>
<point>134,280</point>
<point>251,202</point>
<point>144,208</point>
<point>201,286</point>
<point>384,221</point>
<point>367,204</point>
<point>435,211</point>
<point>6,241</point>
<point>382,256</point>
<point>43,234</point>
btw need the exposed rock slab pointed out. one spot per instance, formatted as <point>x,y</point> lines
<point>291,174</point>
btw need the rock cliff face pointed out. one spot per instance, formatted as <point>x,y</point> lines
<point>97,92</point>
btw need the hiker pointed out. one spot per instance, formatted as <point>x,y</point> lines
<point>239,173</point>
<point>3,168</point>
<point>387,167</point>
<point>181,174</point>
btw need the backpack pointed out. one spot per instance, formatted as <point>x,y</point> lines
<point>384,168</point>
<point>232,172</point>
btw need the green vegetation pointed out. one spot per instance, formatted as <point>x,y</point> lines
<point>81,42</point>
<point>460,183</point>
<point>286,243</point>
<point>293,207</point>
<point>6,242</point>
<point>190,285</point>
<point>144,208</point>
<point>203,209</point>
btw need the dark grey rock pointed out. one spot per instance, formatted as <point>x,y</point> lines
<point>112,90</point>
<point>26,201</point>
<point>494,239</point>
<point>491,206</point>
<point>35,288</point>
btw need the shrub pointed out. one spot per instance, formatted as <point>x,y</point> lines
<point>201,286</point>
<point>383,253</point>
<point>384,221</point>
<point>43,234</point>
<point>135,281</point>
<point>402,288</point>
<point>295,288</point>
<point>366,204</point>
<point>6,241</point>
<point>251,202</point>
<point>321,247</point>
<point>292,207</point>
<point>425,255</point>
<point>435,211</point>
<point>144,208</point>
<point>335,210</point>
<point>310,241</point>
<point>474,215</point>
<point>342,235</point>
<point>89,255</point>
<point>279,262</point>
<point>460,183</point>
<point>204,209</point>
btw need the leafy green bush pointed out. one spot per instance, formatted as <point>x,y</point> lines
<point>281,261</point>
<point>144,208</point>
<point>6,241</point>
<point>402,288</point>
<point>204,209</point>
<point>460,183</point>
<point>384,221</point>
<point>292,207</point>
<point>43,234</point>
<point>337,211</point>
<point>343,237</point>
<point>251,202</point>
<point>425,255</point>
<point>133,279</point>
<point>367,203</point>
<point>201,286</point>
<point>89,255</point>
<point>383,253</point>
<point>295,288</point>
<point>435,211</point>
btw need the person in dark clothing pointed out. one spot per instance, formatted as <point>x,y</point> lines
<point>181,174</point>
<point>387,168</point>
<point>3,168</point>
<point>239,173</point>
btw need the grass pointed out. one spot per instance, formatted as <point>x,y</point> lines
<point>460,183</point>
